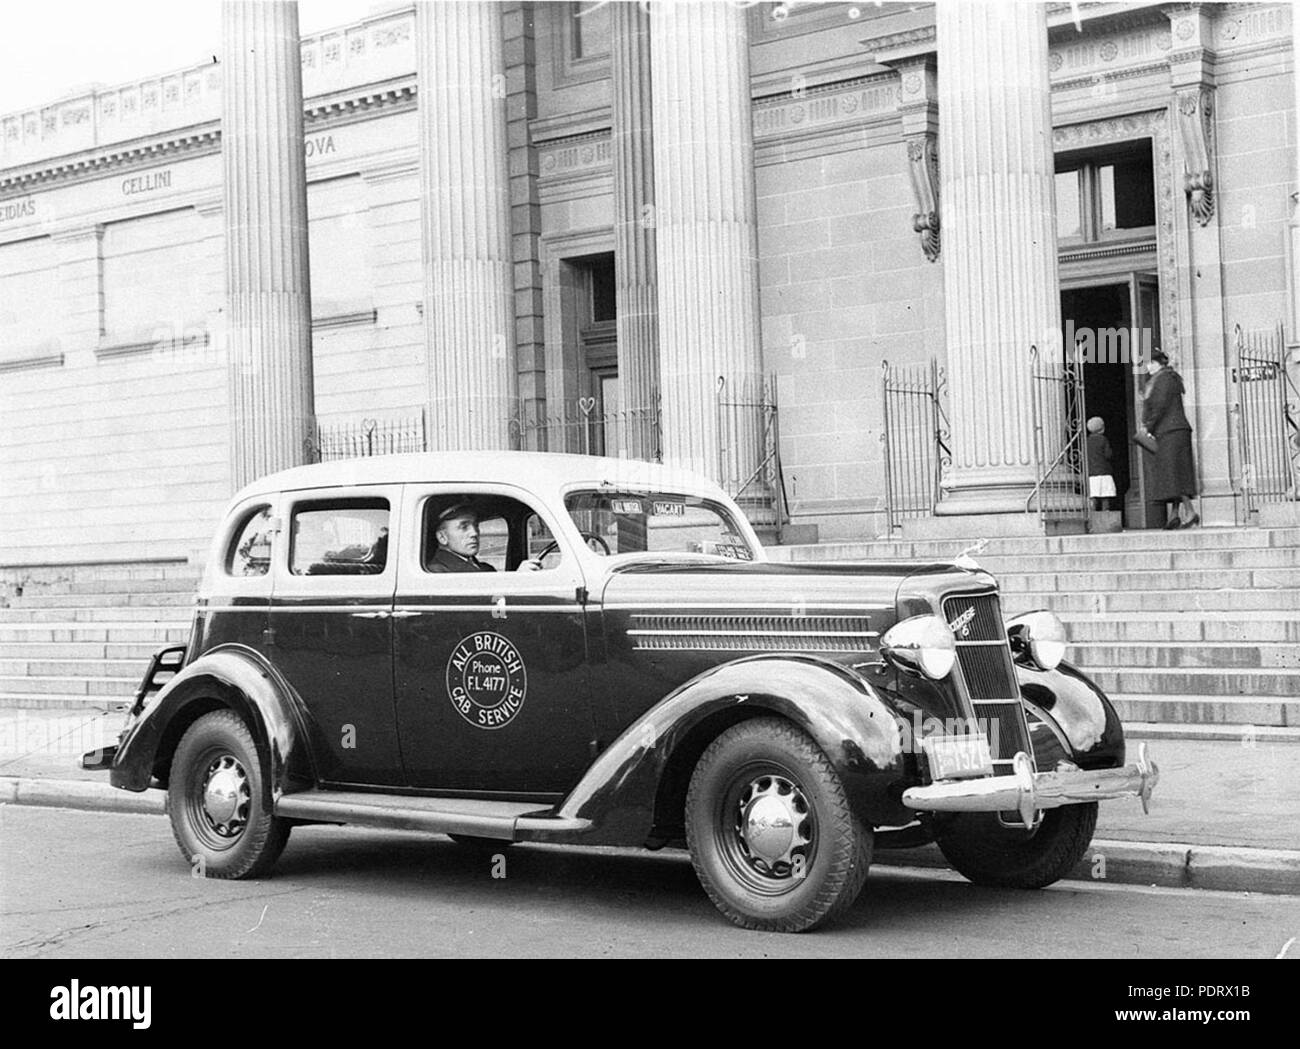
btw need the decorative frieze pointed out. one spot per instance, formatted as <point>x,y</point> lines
<point>578,155</point>
<point>827,107</point>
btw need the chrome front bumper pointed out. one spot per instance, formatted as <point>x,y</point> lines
<point>1026,791</point>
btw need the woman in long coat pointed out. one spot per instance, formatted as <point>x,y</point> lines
<point>1173,473</point>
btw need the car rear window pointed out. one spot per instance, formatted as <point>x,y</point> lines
<point>250,550</point>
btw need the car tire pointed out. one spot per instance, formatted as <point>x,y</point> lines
<point>772,836</point>
<point>219,802</point>
<point>987,853</point>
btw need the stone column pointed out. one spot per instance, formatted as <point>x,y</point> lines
<point>268,291</point>
<point>706,237</point>
<point>634,230</point>
<point>465,208</point>
<point>1001,290</point>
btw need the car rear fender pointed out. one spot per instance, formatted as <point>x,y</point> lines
<point>232,677</point>
<point>635,790</point>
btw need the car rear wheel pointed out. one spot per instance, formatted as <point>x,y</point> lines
<point>770,830</point>
<point>219,803</point>
<point>988,853</point>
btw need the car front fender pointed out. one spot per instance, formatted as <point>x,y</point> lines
<point>639,781</point>
<point>1076,720</point>
<point>232,677</point>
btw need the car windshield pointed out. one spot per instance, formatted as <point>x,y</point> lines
<point>627,522</point>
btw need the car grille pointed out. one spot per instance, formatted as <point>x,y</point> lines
<point>984,658</point>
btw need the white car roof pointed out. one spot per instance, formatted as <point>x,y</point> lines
<point>541,472</point>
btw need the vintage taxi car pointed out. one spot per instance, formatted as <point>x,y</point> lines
<point>633,671</point>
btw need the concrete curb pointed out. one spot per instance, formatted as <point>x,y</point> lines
<point>1168,864</point>
<point>78,794</point>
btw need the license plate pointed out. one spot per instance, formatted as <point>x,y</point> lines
<point>958,757</point>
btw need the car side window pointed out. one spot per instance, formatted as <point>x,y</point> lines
<point>250,550</point>
<point>339,537</point>
<point>510,535</point>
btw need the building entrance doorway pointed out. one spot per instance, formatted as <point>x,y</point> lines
<point>1114,324</point>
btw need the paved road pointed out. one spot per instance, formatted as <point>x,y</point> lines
<point>84,884</point>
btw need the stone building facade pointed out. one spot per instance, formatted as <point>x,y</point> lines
<point>638,202</point>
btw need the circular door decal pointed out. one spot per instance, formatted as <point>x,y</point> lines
<point>486,681</point>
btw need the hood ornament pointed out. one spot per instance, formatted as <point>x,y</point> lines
<point>966,559</point>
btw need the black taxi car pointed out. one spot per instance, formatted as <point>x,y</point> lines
<point>611,661</point>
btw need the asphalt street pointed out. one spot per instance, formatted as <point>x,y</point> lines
<point>89,884</point>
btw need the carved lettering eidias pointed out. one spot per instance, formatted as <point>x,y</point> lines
<point>13,210</point>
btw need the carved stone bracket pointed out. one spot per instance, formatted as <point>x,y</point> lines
<point>918,109</point>
<point>1195,113</point>
<point>923,166</point>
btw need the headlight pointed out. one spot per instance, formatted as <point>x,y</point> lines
<point>1039,637</point>
<point>922,644</point>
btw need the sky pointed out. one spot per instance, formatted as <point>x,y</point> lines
<point>52,48</point>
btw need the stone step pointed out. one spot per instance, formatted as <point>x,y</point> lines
<point>152,599</point>
<point>94,570</point>
<point>116,614</point>
<point>1208,710</point>
<point>1143,560</point>
<point>134,651</point>
<point>72,668</point>
<point>1190,682</point>
<point>69,686</point>
<point>156,634</point>
<point>1275,655</point>
<point>69,703</point>
<point>1105,545</point>
<point>1240,625</point>
<point>127,585</point>
<point>1146,580</point>
<point>1211,603</point>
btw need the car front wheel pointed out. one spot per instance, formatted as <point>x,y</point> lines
<point>770,830</point>
<point>988,853</point>
<point>219,803</point>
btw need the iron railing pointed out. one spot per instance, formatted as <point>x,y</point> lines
<point>749,448</point>
<point>578,427</point>
<point>357,439</point>
<point>1060,448</point>
<point>1267,411</point>
<point>916,436</point>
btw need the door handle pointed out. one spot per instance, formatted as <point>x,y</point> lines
<point>404,614</point>
<point>381,614</point>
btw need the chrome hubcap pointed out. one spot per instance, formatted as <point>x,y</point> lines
<point>774,825</point>
<point>226,796</point>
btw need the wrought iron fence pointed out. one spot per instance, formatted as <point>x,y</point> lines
<point>916,437</point>
<point>1060,448</point>
<point>1267,410</point>
<point>749,448</point>
<point>578,427</point>
<point>356,439</point>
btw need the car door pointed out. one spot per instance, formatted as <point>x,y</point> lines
<point>331,627</point>
<point>490,668</point>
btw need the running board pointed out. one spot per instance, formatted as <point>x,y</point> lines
<point>502,820</point>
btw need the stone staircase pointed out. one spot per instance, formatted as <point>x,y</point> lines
<point>1199,627</point>
<point>81,636</point>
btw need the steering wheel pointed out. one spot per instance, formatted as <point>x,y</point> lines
<point>590,537</point>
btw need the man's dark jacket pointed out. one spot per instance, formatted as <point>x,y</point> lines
<point>445,561</point>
